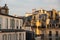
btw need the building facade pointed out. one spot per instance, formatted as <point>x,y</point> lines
<point>8,21</point>
<point>11,26</point>
<point>16,34</point>
<point>45,23</point>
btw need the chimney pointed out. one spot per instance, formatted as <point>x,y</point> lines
<point>54,14</point>
<point>33,10</point>
<point>59,14</point>
<point>15,15</point>
<point>41,10</point>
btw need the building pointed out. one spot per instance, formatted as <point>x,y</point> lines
<point>11,26</point>
<point>16,34</point>
<point>45,23</point>
<point>8,21</point>
<point>4,9</point>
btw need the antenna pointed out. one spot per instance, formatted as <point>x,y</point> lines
<point>5,2</point>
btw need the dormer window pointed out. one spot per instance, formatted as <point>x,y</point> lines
<point>3,11</point>
<point>0,22</point>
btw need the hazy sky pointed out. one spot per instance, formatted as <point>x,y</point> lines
<point>20,7</point>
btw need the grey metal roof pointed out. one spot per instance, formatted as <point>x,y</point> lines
<point>11,16</point>
<point>14,30</point>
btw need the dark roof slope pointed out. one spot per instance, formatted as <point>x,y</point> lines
<point>14,30</point>
<point>11,16</point>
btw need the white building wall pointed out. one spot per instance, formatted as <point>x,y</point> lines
<point>0,36</point>
<point>17,23</point>
<point>3,22</point>
<point>20,23</point>
<point>8,23</point>
<point>23,35</point>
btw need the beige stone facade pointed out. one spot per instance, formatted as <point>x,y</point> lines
<point>45,23</point>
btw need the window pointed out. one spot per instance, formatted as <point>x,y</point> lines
<point>6,23</point>
<point>16,36</point>
<point>57,38</point>
<point>4,37</point>
<point>13,37</point>
<point>50,38</point>
<point>48,25</point>
<point>23,36</point>
<point>56,33</point>
<point>21,22</point>
<point>3,11</point>
<point>9,36</point>
<point>0,22</point>
<point>12,23</point>
<point>56,25</point>
<point>59,25</point>
<point>0,26</point>
<point>50,33</point>
<point>42,36</point>
<point>20,36</point>
<point>17,27</point>
<point>20,27</point>
<point>17,24</point>
<point>43,17</point>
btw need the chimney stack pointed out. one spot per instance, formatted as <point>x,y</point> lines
<point>33,10</point>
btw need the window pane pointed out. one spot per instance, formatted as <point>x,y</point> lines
<point>20,36</point>
<point>4,37</point>
<point>6,23</point>
<point>0,26</point>
<point>57,39</point>
<point>12,23</point>
<point>17,24</point>
<point>0,22</point>
<point>9,36</point>
<point>50,38</point>
<point>50,33</point>
<point>56,33</point>
<point>16,37</point>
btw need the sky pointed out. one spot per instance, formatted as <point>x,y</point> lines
<point>20,7</point>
